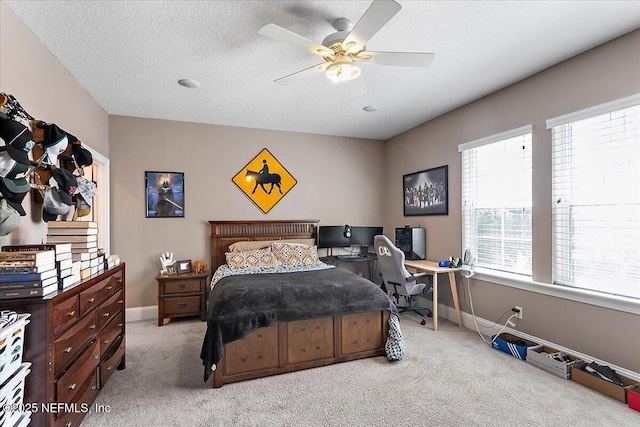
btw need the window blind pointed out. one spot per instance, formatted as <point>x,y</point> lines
<point>497,201</point>
<point>596,202</point>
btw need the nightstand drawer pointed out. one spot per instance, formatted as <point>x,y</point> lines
<point>182,286</point>
<point>182,305</point>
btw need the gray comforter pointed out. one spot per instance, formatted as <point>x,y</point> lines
<point>240,304</point>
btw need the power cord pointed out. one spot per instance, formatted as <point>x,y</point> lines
<point>475,321</point>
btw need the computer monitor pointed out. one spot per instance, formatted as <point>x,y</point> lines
<point>363,236</point>
<point>332,236</point>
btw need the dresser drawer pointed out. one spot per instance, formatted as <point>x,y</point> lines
<point>182,305</point>
<point>109,309</point>
<point>87,394</point>
<point>92,297</point>
<point>110,364</point>
<point>68,384</point>
<point>182,286</point>
<point>111,331</point>
<point>69,344</point>
<point>65,314</point>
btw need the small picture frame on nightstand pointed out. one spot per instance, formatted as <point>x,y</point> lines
<point>184,266</point>
<point>171,270</point>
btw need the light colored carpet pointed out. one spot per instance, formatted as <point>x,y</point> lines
<point>448,378</point>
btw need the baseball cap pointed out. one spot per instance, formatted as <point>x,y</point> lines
<point>9,218</point>
<point>13,173</point>
<point>87,189</point>
<point>82,155</point>
<point>18,139</point>
<point>10,106</point>
<point>83,208</point>
<point>66,181</point>
<point>54,140</point>
<point>52,206</point>
<point>13,198</point>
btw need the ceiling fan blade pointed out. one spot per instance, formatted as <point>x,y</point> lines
<point>286,80</point>
<point>400,59</point>
<point>378,14</point>
<point>279,33</point>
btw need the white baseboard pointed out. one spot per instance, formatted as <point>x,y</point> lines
<point>449,313</point>
<point>149,312</point>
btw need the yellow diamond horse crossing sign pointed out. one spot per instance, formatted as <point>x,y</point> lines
<point>264,181</point>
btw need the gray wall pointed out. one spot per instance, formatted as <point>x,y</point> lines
<point>599,75</point>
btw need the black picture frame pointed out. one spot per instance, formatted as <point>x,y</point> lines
<point>184,266</point>
<point>426,192</point>
<point>164,192</point>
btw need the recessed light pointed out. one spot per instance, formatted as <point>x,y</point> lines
<point>371,108</point>
<point>191,84</point>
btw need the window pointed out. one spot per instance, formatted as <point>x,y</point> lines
<point>496,200</point>
<point>596,198</point>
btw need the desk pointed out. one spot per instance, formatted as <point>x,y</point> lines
<point>434,268</point>
<point>369,259</point>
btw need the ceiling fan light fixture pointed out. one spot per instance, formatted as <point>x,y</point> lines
<point>342,71</point>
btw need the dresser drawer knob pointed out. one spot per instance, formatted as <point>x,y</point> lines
<point>109,368</point>
<point>67,350</point>
<point>68,424</point>
<point>106,341</point>
<point>109,287</point>
<point>97,356</point>
<point>72,386</point>
<point>71,313</point>
<point>182,287</point>
<point>92,299</point>
<point>92,327</point>
<point>120,325</point>
<point>106,314</point>
<point>182,305</point>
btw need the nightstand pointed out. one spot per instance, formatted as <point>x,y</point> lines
<point>181,295</point>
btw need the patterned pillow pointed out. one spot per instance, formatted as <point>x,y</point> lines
<point>295,254</point>
<point>258,258</point>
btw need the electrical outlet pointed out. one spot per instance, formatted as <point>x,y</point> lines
<point>519,313</point>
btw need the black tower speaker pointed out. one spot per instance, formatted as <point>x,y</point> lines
<point>412,241</point>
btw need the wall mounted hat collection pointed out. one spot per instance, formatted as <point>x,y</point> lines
<point>41,156</point>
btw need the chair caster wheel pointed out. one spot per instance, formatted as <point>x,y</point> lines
<point>423,322</point>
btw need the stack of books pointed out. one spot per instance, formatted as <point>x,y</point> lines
<point>27,273</point>
<point>63,259</point>
<point>83,238</point>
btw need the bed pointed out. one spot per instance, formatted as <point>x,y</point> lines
<point>265,324</point>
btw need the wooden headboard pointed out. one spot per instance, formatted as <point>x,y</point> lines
<point>224,233</point>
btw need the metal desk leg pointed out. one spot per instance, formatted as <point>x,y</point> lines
<point>454,293</point>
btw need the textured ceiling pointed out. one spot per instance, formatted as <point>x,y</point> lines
<point>129,56</point>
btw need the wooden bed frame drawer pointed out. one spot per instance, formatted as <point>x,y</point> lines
<point>258,350</point>
<point>69,383</point>
<point>109,309</point>
<point>97,293</point>
<point>71,342</point>
<point>65,314</point>
<point>362,332</point>
<point>182,305</point>
<point>310,339</point>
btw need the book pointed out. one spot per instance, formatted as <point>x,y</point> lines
<point>71,238</point>
<point>31,284</point>
<point>26,277</point>
<point>63,256</point>
<point>58,248</point>
<point>83,245</point>
<point>28,292</point>
<point>11,268</point>
<point>72,224</point>
<point>65,263</point>
<point>69,280</point>
<point>71,231</point>
<point>27,255</point>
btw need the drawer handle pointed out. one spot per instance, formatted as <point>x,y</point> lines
<point>67,350</point>
<point>106,314</point>
<point>182,305</point>
<point>93,387</point>
<point>109,287</point>
<point>120,302</point>
<point>97,356</point>
<point>72,386</point>
<point>109,368</point>
<point>71,313</point>
<point>92,327</point>
<point>92,300</point>
<point>106,341</point>
<point>68,424</point>
<point>120,324</point>
<point>182,287</point>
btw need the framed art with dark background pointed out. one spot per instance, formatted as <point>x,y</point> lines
<point>165,194</point>
<point>426,192</point>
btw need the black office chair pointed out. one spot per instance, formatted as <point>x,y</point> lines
<point>397,279</point>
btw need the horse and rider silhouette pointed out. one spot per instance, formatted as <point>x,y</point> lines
<point>264,177</point>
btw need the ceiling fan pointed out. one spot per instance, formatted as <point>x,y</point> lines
<point>344,50</point>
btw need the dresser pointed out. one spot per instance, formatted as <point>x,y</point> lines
<point>76,340</point>
<point>181,295</point>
